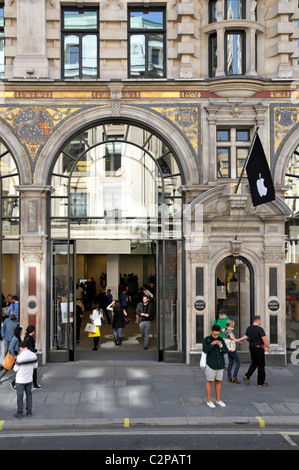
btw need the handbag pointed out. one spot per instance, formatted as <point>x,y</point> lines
<point>203,360</point>
<point>90,328</point>
<point>126,320</point>
<point>97,333</point>
<point>9,361</point>
<point>231,345</point>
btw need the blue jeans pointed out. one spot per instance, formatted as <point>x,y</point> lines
<point>20,389</point>
<point>233,356</point>
<point>118,331</point>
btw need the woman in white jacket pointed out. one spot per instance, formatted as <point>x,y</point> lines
<point>96,319</point>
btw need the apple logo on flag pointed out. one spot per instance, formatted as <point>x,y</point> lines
<point>261,187</point>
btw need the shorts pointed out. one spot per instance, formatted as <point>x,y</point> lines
<point>212,374</point>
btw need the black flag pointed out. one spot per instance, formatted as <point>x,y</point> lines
<point>259,176</point>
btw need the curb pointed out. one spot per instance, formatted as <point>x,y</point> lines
<point>258,422</point>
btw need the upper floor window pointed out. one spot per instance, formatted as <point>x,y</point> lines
<point>213,11</point>
<point>235,52</point>
<point>80,42</point>
<point>1,41</point>
<point>147,42</point>
<point>234,9</point>
<point>231,148</point>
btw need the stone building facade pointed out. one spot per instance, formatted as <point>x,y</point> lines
<point>182,85</point>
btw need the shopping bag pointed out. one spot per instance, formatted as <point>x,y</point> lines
<point>96,334</point>
<point>203,360</point>
<point>9,361</point>
<point>90,328</point>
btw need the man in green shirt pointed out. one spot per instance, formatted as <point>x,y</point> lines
<point>215,348</point>
<point>221,321</point>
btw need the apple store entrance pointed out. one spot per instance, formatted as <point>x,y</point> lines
<point>234,293</point>
<point>116,223</point>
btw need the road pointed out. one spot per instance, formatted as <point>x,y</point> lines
<point>152,445</point>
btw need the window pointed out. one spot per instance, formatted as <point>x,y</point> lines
<point>213,11</point>
<point>147,43</point>
<point>212,55</point>
<point>2,59</point>
<point>235,52</point>
<point>234,9</point>
<point>113,152</point>
<point>80,43</point>
<point>231,151</point>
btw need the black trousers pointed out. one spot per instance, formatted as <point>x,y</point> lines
<point>257,361</point>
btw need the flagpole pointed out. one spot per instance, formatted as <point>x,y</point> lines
<point>246,161</point>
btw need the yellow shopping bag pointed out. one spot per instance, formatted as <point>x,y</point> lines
<point>95,335</point>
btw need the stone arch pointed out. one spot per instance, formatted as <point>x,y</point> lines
<point>18,153</point>
<point>283,158</point>
<point>138,116</point>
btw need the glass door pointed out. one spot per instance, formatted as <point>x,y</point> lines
<point>169,311</point>
<point>234,292</point>
<point>62,318</point>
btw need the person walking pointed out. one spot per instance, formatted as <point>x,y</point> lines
<point>7,333</point>
<point>256,336</point>
<point>144,310</point>
<point>24,366</point>
<point>96,319</point>
<point>118,322</point>
<point>29,340</point>
<point>13,349</point>
<point>215,348</point>
<point>233,355</point>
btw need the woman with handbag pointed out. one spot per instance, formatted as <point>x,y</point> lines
<point>97,320</point>
<point>118,322</point>
<point>233,355</point>
<point>13,351</point>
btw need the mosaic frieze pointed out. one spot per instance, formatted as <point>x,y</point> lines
<point>284,120</point>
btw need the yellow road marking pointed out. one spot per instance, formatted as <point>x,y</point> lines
<point>261,421</point>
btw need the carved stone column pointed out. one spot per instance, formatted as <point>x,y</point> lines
<point>33,261</point>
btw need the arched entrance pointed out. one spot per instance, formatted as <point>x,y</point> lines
<point>9,231</point>
<point>234,291</point>
<point>115,210</point>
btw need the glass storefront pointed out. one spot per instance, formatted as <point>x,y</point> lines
<point>292,254</point>
<point>116,183</point>
<point>9,230</point>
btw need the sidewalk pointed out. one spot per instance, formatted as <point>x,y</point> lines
<point>94,395</point>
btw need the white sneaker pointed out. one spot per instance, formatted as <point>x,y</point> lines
<point>211,404</point>
<point>220,403</point>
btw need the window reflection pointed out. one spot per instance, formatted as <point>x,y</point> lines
<point>234,9</point>
<point>147,43</point>
<point>118,177</point>
<point>234,53</point>
<point>292,252</point>
<point>80,43</point>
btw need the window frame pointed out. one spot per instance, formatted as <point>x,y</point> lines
<point>2,75</point>
<point>213,59</point>
<point>147,33</point>
<point>81,33</point>
<point>233,144</point>
<point>242,33</point>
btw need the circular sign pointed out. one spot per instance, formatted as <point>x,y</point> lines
<point>199,305</point>
<point>273,305</point>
